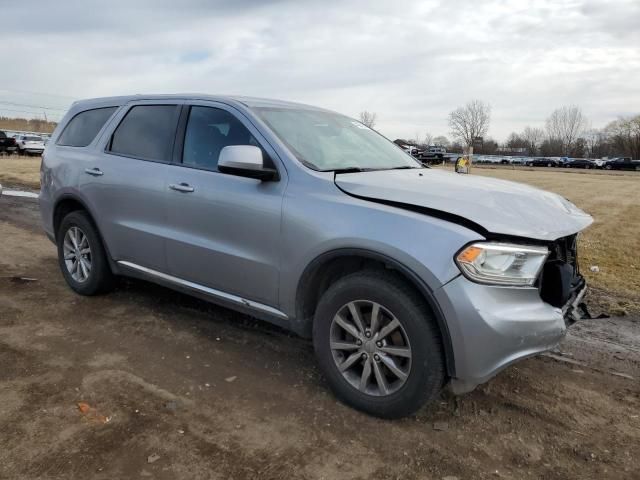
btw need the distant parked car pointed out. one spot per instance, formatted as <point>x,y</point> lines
<point>30,145</point>
<point>543,162</point>
<point>432,154</point>
<point>7,144</point>
<point>581,163</point>
<point>622,163</point>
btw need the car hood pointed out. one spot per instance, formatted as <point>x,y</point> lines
<point>496,206</point>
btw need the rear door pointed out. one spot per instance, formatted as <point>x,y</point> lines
<point>224,229</point>
<point>125,182</point>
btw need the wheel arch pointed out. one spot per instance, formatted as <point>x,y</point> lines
<point>68,203</point>
<point>329,266</point>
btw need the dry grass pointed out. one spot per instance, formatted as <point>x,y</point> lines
<point>612,242</point>
<point>27,125</point>
<point>24,171</point>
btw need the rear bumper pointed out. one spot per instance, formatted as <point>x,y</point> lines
<point>492,327</point>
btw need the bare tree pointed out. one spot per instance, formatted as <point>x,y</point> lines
<point>428,139</point>
<point>515,141</point>
<point>624,135</point>
<point>470,121</point>
<point>441,141</point>
<point>368,118</point>
<point>533,138</point>
<point>596,143</point>
<point>565,125</point>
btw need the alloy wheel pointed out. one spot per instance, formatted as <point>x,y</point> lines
<point>370,347</point>
<point>77,254</point>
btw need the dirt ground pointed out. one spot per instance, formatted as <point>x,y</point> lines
<point>148,383</point>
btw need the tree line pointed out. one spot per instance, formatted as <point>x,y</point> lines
<point>27,125</point>
<point>566,132</point>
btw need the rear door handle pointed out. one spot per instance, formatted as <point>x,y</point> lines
<point>96,172</point>
<point>181,187</point>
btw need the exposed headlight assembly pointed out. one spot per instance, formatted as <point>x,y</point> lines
<point>495,263</point>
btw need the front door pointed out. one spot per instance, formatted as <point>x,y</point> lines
<point>224,230</point>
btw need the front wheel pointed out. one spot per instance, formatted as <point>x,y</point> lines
<point>82,257</point>
<point>378,345</point>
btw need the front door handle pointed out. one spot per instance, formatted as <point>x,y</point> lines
<point>181,187</point>
<point>96,172</point>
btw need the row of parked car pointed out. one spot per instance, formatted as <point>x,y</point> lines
<point>21,144</point>
<point>619,163</point>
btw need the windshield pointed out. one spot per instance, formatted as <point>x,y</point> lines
<point>32,139</point>
<point>329,141</point>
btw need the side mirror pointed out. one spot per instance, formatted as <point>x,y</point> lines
<point>245,161</point>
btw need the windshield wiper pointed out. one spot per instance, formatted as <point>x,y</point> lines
<point>351,170</point>
<point>363,169</point>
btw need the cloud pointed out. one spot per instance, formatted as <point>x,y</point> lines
<point>412,62</point>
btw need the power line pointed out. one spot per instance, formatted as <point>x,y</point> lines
<point>39,114</point>
<point>37,93</point>
<point>39,107</point>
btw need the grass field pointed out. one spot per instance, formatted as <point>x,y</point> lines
<point>23,171</point>
<point>612,243</point>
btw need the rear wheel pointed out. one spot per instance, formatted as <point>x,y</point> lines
<point>82,256</point>
<point>377,344</point>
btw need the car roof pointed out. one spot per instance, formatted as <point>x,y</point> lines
<point>229,99</point>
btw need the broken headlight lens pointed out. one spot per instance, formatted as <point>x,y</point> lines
<point>502,263</point>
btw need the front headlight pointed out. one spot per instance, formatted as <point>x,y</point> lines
<point>502,263</point>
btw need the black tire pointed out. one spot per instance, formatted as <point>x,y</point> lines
<point>100,278</point>
<point>426,376</point>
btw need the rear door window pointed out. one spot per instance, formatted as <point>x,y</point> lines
<point>147,132</point>
<point>84,127</point>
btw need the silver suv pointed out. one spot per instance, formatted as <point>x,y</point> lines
<point>406,278</point>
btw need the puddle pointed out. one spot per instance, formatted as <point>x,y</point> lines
<point>19,193</point>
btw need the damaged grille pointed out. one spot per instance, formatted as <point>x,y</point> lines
<point>565,250</point>
<point>560,275</point>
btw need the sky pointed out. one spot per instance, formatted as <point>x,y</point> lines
<point>411,62</point>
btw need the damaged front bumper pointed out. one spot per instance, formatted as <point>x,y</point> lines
<point>493,327</point>
<point>575,309</point>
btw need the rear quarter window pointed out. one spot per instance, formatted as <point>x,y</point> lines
<point>84,127</point>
